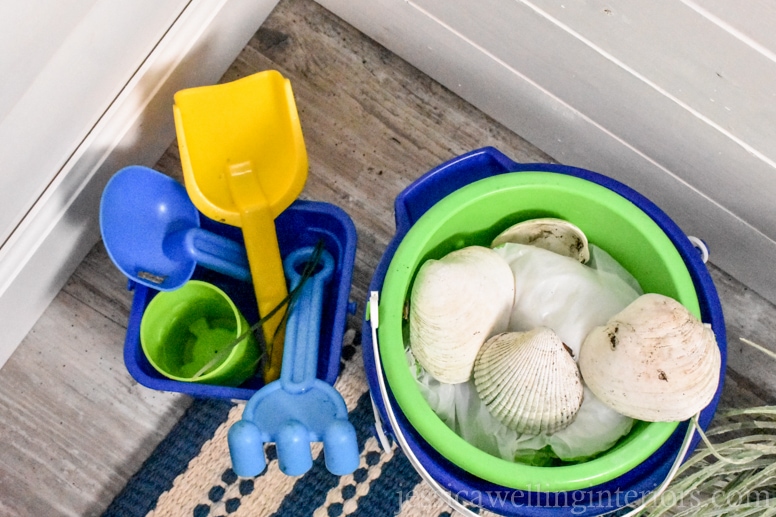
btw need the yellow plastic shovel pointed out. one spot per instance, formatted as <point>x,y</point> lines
<point>244,161</point>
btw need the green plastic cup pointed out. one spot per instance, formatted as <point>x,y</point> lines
<point>183,330</point>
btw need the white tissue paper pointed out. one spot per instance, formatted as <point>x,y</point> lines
<point>560,293</point>
<point>571,298</point>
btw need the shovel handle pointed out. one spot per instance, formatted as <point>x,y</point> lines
<point>266,265</point>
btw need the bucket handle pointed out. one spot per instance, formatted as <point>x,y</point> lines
<point>398,434</point>
<point>700,244</point>
<point>454,503</point>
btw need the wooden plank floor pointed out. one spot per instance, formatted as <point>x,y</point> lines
<point>74,425</point>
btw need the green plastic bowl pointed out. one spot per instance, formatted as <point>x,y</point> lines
<point>474,215</point>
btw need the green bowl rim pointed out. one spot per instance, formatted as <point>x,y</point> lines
<point>623,457</point>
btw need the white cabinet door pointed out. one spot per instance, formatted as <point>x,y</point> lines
<point>62,64</point>
<point>86,87</point>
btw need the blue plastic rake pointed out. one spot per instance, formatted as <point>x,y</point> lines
<point>298,408</point>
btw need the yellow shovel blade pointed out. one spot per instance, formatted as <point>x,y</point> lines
<point>254,120</point>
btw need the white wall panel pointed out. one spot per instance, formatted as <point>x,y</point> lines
<point>751,21</point>
<point>653,76</point>
<point>629,90</point>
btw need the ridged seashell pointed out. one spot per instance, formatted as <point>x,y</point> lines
<point>456,303</point>
<point>529,381</point>
<point>653,361</point>
<point>556,235</point>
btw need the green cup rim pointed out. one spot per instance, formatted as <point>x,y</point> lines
<point>225,364</point>
<point>644,439</point>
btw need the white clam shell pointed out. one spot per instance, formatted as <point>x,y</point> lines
<point>529,381</point>
<point>456,303</point>
<point>653,361</point>
<point>556,235</point>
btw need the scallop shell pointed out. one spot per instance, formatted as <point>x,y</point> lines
<point>556,235</point>
<point>653,361</point>
<point>529,381</point>
<point>456,303</point>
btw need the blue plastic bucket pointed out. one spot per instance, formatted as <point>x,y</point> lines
<point>302,224</point>
<point>460,485</point>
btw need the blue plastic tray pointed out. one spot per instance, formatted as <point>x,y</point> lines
<point>303,223</point>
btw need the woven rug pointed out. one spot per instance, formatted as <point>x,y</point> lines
<point>190,474</point>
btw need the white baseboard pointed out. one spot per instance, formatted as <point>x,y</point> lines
<point>137,127</point>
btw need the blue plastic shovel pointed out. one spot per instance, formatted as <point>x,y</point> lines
<point>152,232</point>
<point>297,408</point>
